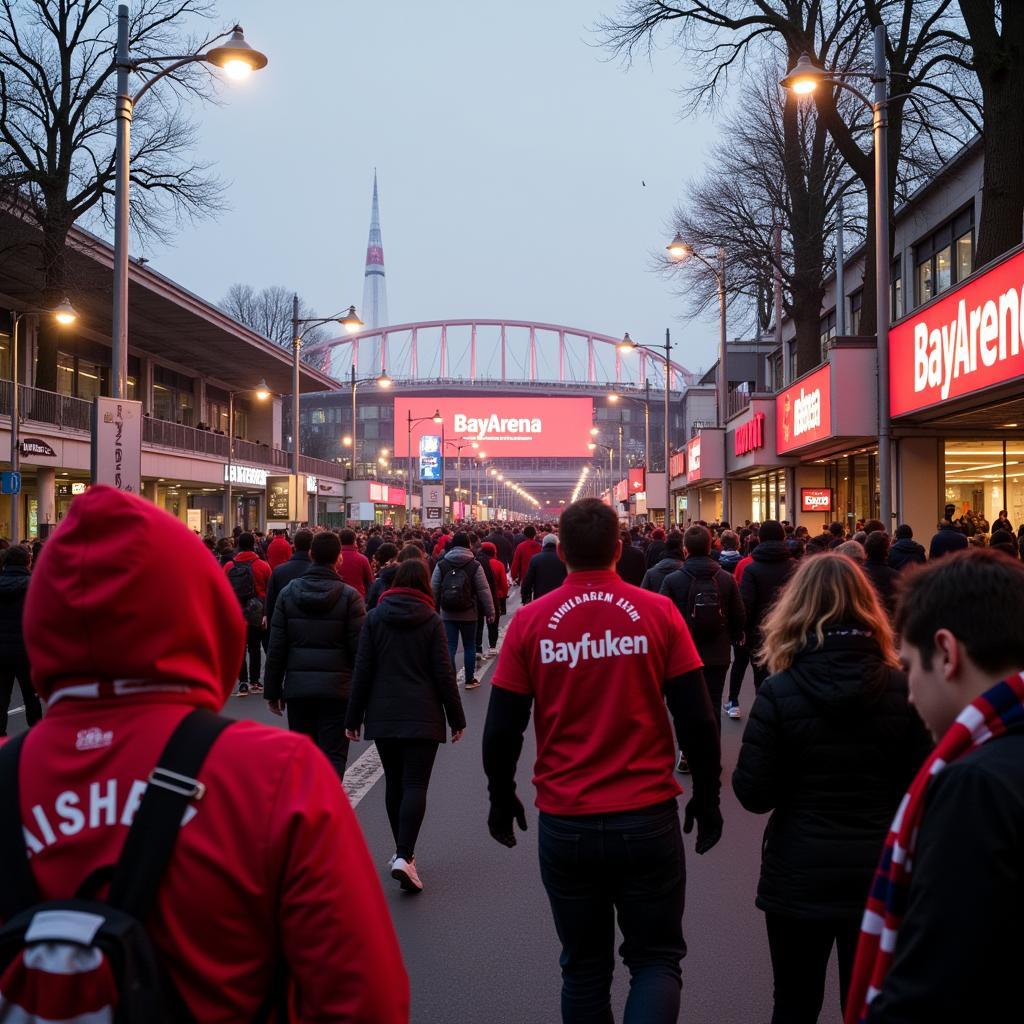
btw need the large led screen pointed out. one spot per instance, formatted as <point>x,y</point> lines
<point>503,426</point>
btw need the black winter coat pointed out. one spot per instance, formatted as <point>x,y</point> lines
<point>383,582</point>
<point>713,650</point>
<point>404,685</point>
<point>546,572</point>
<point>830,748</point>
<point>14,580</point>
<point>631,565</point>
<point>905,552</point>
<point>762,580</point>
<point>883,579</point>
<point>947,540</point>
<point>313,637</point>
<point>503,545</point>
<point>295,567</point>
<point>659,572</point>
<point>655,553</point>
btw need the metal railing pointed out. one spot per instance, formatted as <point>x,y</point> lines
<point>738,401</point>
<point>60,411</point>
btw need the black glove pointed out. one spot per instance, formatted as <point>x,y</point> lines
<point>503,814</point>
<point>709,824</point>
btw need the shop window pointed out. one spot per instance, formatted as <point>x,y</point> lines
<point>173,397</point>
<point>318,416</point>
<point>946,257</point>
<point>65,374</point>
<point>828,332</point>
<point>856,309</point>
<point>982,478</point>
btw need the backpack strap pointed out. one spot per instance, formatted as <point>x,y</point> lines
<point>171,787</point>
<point>19,891</point>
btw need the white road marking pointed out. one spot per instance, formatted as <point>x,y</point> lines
<point>17,711</point>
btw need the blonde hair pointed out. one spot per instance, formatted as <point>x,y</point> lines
<point>827,590</point>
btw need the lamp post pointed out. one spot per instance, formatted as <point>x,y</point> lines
<point>681,251</point>
<point>629,345</point>
<point>237,58</point>
<point>458,444</point>
<point>262,393</point>
<point>65,315</point>
<point>437,418</point>
<point>803,80</point>
<point>351,322</point>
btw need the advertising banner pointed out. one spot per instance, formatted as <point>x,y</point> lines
<point>279,498</point>
<point>433,504</point>
<point>803,412</point>
<point>815,499</point>
<point>430,457</point>
<point>117,444</point>
<point>966,341</point>
<point>636,480</point>
<point>503,425</point>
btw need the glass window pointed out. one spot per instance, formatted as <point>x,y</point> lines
<point>896,293</point>
<point>964,255</point>
<point>90,384</point>
<point>981,483</point>
<point>65,374</point>
<point>318,416</point>
<point>828,332</point>
<point>856,309</point>
<point>924,281</point>
<point>5,356</point>
<point>945,257</point>
<point>943,269</point>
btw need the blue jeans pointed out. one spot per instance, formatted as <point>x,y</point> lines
<point>467,630</point>
<point>630,864</point>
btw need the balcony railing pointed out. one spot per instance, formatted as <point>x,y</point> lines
<point>738,401</point>
<point>60,411</point>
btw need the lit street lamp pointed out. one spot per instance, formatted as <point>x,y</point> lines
<point>65,315</point>
<point>803,80</point>
<point>237,58</point>
<point>262,393</point>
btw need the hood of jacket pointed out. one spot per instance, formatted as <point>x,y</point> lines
<point>843,673</point>
<point>404,611</point>
<point>388,573</point>
<point>13,584</point>
<point>702,566</point>
<point>459,556</point>
<point>318,590</point>
<point>125,600</point>
<point>668,565</point>
<point>771,551</point>
<point>907,546</point>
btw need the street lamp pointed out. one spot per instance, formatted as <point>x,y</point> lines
<point>262,393</point>
<point>803,80</point>
<point>680,251</point>
<point>439,419</point>
<point>616,396</point>
<point>237,58</point>
<point>458,444</point>
<point>65,315</point>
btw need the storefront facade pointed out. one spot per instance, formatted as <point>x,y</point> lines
<point>758,486</point>
<point>705,467</point>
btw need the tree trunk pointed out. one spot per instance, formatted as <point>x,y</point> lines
<point>54,252</point>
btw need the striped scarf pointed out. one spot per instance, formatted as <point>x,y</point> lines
<point>992,714</point>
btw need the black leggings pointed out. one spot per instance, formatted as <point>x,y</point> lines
<point>18,669</point>
<point>407,767</point>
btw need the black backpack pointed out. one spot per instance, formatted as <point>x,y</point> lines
<point>104,942</point>
<point>243,583</point>
<point>703,612</point>
<point>458,593</point>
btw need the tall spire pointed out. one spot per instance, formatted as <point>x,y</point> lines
<point>375,295</point>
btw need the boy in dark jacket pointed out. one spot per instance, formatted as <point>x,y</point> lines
<point>961,824</point>
<point>762,580</point>
<point>905,551</point>
<point>670,561</point>
<point>546,571</point>
<point>313,640</point>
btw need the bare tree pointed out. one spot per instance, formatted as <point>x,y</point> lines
<point>57,127</point>
<point>721,36</point>
<point>776,167</point>
<point>268,311</point>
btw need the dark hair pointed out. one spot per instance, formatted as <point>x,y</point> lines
<point>347,537</point>
<point>414,549</point>
<point>904,532</point>
<point>325,548</point>
<point>874,526</point>
<point>876,545</point>
<point>460,540</point>
<point>730,542</point>
<point>529,532</point>
<point>588,532</point>
<point>385,552</point>
<point>18,555</point>
<point>303,540</point>
<point>697,540</point>
<point>413,573</point>
<point>978,595</point>
<point>771,529</point>
<point>246,542</point>
<point>1003,540</point>
<point>836,529</point>
<point>674,541</point>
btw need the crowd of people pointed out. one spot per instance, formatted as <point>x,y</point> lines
<point>885,740</point>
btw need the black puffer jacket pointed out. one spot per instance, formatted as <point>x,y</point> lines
<point>631,566</point>
<point>546,572</point>
<point>383,582</point>
<point>404,685</point>
<point>659,572</point>
<point>714,649</point>
<point>14,580</point>
<point>313,637</point>
<point>905,552</point>
<point>829,749</point>
<point>884,579</point>
<point>762,580</point>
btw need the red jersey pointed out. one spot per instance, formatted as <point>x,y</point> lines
<point>594,654</point>
<point>521,559</point>
<point>741,568</point>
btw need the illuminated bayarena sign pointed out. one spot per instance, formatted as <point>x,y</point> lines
<point>503,426</point>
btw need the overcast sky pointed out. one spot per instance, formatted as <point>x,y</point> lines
<point>510,152</point>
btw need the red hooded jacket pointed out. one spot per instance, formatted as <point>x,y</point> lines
<point>521,559</point>
<point>260,572</point>
<point>278,552</point>
<point>272,863</point>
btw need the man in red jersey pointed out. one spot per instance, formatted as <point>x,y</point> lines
<point>269,866</point>
<point>599,659</point>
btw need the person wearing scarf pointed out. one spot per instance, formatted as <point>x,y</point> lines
<point>403,689</point>
<point>943,933</point>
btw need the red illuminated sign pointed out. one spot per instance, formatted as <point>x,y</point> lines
<point>503,426</point>
<point>750,435</point>
<point>803,412</point>
<point>382,494</point>
<point>677,464</point>
<point>968,340</point>
<point>815,499</point>
<point>636,481</point>
<point>622,491</point>
<point>693,460</point>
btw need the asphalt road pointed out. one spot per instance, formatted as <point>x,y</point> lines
<point>479,944</point>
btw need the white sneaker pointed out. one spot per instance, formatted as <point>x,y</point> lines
<point>391,861</point>
<point>732,709</point>
<point>405,872</point>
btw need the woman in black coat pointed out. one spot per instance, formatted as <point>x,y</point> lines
<point>403,688</point>
<point>829,750</point>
